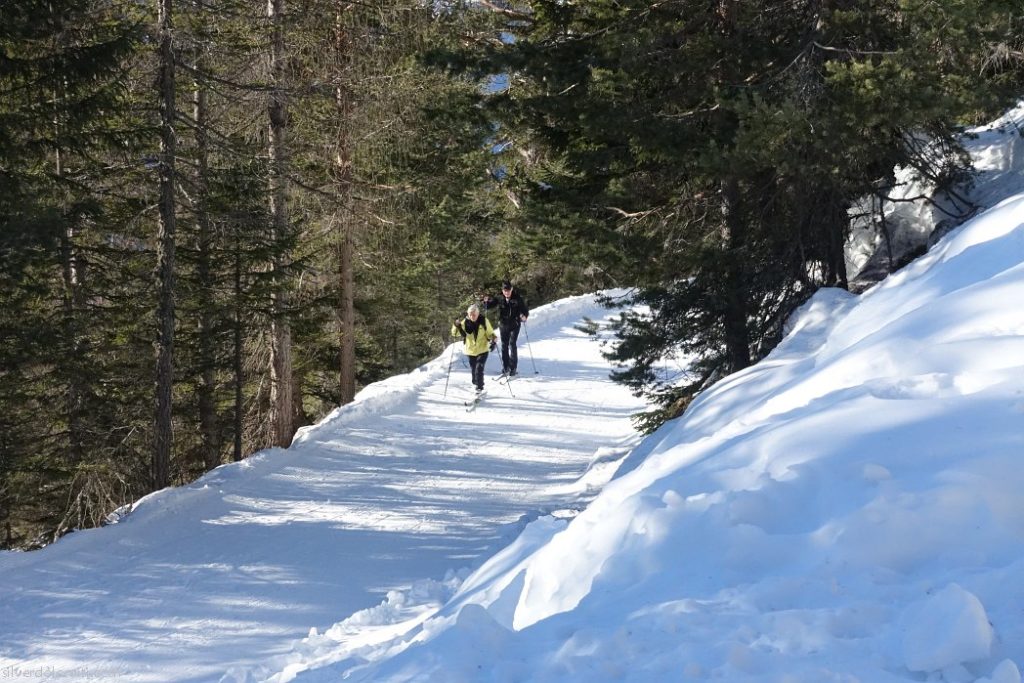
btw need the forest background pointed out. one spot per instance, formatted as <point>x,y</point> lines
<point>220,218</point>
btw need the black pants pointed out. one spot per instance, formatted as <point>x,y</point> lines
<point>476,368</point>
<point>509,353</point>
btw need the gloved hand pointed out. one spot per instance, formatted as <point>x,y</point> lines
<point>494,345</point>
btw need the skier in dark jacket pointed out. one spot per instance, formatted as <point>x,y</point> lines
<point>512,313</point>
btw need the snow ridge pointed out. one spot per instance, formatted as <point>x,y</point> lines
<point>846,510</point>
<point>378,512</point>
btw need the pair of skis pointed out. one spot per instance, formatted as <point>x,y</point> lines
<point>502,379</point>
<point>474,402</point>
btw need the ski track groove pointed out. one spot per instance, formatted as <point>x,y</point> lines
<point>231,570</point>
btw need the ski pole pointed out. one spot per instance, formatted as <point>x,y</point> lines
<point>446,377</point>
<point>508,383</point>
<point>530,349</point>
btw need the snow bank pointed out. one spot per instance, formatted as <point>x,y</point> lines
<point>397,393</point>
<point>849,509</point>
<point>220,579</point>
<point>946,630</point>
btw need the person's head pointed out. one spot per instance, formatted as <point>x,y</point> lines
<point>473,312</point>
<point>506,287</point>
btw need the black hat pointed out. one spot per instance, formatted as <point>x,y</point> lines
<point>506,284</point>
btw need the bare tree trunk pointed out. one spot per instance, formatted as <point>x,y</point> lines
<point>347,318</point>
<point>838,219</point>
<point>75,392</point>
<point>734,235</point>
<point>737,332</point>
<point>343,180</point>
<point>72,306</point>
<point>163,433</point>
<point>210,442</point>
<point>281,336</point>
<point>237,360</point>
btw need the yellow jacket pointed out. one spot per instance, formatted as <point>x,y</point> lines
<point>478,341</point>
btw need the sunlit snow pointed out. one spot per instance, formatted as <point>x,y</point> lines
<point>849,509</point>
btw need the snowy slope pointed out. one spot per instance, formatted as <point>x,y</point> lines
<point>403,485</point>
<point>849,509</point>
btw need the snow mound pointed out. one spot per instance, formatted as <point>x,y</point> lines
<point>239,576</point>
<point>847,510</point>
<point>947,629</point>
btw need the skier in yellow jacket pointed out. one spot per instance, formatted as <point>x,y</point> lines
<point>478,338</point>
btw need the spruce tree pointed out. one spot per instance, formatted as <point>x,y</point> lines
<point>381,174</point>
<point>61,110</point>
<point>709,152</point>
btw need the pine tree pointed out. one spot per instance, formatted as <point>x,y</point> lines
<point>709,152</point>
<point>61,107</point>
<point>377,204</point>
<point>165,270</point>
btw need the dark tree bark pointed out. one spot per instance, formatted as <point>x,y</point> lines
<point>210,441</point>
<point>163,431</point>
<point>72,304</point>
<point>343,184</point>
<point>281,338</point>
<point>737,330</point>
<point>237,358</point>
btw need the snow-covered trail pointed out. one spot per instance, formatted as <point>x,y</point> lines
<point>402,485</point>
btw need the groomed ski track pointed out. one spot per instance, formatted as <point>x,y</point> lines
<point>402,485</point>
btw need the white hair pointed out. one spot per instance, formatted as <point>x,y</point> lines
<point>472,309</point>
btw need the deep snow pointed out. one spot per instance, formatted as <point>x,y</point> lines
<point>849,509</point>
<point>402,485</point>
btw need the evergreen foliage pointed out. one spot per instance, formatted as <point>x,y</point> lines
<point>710,153</point>
<point>61,108</point>
<point>706,153</point>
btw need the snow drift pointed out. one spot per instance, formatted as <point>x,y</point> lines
<point>849,509</point>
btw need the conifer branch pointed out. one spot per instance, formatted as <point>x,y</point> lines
<point>514,14</point>
<point>852,51</point>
